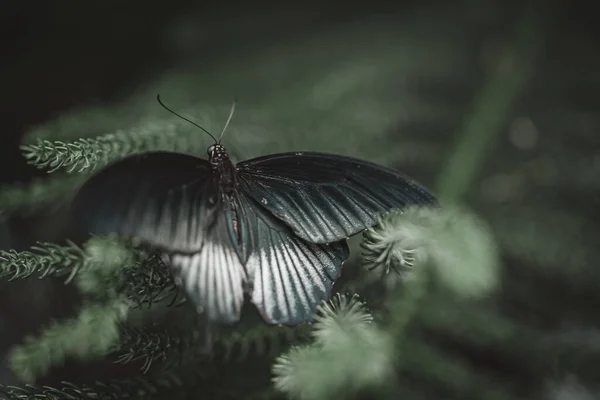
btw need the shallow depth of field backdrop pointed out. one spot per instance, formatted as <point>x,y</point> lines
<point>492,104</point>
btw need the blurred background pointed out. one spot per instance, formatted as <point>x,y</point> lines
<point>398,85</point>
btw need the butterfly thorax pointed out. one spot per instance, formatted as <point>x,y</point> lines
<point>222,166</point>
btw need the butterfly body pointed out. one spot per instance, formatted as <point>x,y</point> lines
<point>222,167</point>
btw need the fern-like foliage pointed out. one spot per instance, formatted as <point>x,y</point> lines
<point>166,384</point>
<point>45,259</point>
<point>490,296</point>
<point>146,279</point>
<point>88,154</point>
<point>169,346</point>
<point>152,347</point>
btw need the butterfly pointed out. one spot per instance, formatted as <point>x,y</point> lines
<point>272,229</point>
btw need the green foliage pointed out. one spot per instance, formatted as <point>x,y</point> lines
<point>45,259</point>
<point>169,346</point>
<point>95,330</point>
<point>459,244</point>
<point>167,384</point>
<point>494,300</point>
<point>349,354</point>
<point>143,277</point>
<point>87,155</point>
<point>91,334</point>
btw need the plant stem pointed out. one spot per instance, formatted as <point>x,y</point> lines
<point>492,106</point>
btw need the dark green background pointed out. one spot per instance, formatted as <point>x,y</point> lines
<point>58,56</point>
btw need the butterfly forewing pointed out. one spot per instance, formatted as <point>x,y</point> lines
<point>325,197</point>
<point>166,200</point>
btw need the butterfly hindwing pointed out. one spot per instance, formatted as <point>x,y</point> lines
<point>288,277</point>
<point>324,197</point>
<point>214,277</point>
<point>166,200</point>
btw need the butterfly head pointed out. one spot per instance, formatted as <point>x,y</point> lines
<point>217,153</point>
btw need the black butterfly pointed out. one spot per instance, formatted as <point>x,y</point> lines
<point>273,228</point>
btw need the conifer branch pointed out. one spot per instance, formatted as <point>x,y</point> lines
<point>95,330</point>
<point>457,244</point>
<point>89,154</point>
<point>164,385</point>
<point>90,334</point>
<point>45,259</point>
<point>169,346</point>
<point>150,281</point>
<point>146,280</point>
<point>350,354</point>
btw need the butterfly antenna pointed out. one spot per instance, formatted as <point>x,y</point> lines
<point>184,118</point>
<point>228,120</point>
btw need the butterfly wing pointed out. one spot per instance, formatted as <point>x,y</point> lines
<point>166,200</point>
<point>323,197</point>
<point>172,202</point>
<point>288,277</point>
<point>214,277</point>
